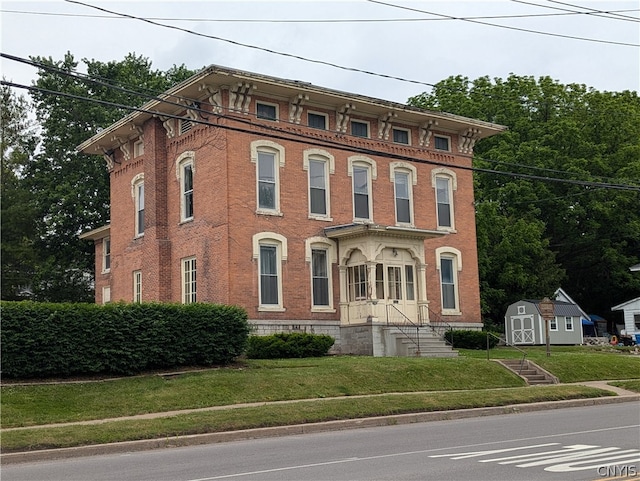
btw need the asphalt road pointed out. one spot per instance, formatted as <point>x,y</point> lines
<point>586,443</point>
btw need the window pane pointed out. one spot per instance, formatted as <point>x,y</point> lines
<point>268,275</point>
<point>317,184</point>
<point>379,281</point>
<point>409,283</point>
<point>266,180</point>
<point>188,191</point>
<point>320,277</point>
<point>403,208</point>
<point>448,296</point>
<point>395,282</point>
<point>444,204</point>
<point>317,121</point>
<point>448,283</point>
<point>361,192</point>
<point>267,112</point>
<point>359,129</point>
<point>441,143</point>
<point>400,136</point>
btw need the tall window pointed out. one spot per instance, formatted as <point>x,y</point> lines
<point>106,295</point>
<point>361,192</point>
<point>270,250</point>
<point>186,188</point>
<point>409,283</point>
<point>106,254</point>
<point>357,282</point>
<point>449,262</point>
<point>137,286</point>
<point>320,277</point>
<point>394,282</point>
<point>444,202</point>
<point>269,292</point>
<point>269,158</point>
<point>137,191</point>
<point>318,187</point>
<point>189,280</point>
<point>448,279</point>
<point>363,171</point>
<point>553,324</point>
<point>403,198</point>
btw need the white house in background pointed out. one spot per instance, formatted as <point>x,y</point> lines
<point>524,323</point>
<point>631,312</point>
<point>588,326</point>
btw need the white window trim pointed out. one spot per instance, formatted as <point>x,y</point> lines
<point>456,255</point>
<point>280,242</point>
<point>106,294</point>
<point>278,150</point>
<point>138,148</point>
<point>408,131</point>
<point>448,137</point>
<point>361,160</point>
<point>137,295</point>
<point>406,168</point>
<point>553,324</point>
<point>270,104</point>
<point>183,263</point>
<point>184,159</point>
<point>320,114</point>
<point>135,182</point>
<point>450,175</point>
<point>330,168</point>
<point>332,258</point>
<point>360,121</point>
<point>570,318</point>
<point>521,310</point>
<point>106,269</point>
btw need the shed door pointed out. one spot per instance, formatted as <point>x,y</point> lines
<point>522,329</point>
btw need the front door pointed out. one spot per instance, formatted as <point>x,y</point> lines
<point>396,284</point>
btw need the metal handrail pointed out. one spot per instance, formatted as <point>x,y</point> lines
<point>401,327</point>
<point>434,327</point>
<point>524,353</point>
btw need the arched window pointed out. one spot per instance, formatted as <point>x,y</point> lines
<point>445,183</point>
<point>269,158</point>
<point>449,263</point>
<point>319,164</point>
<point>185,170</point>
<point>270,250</point>
<point>137,192</point>
<point>363,171</point>
<point>321,253</point>
<point>404,177</point>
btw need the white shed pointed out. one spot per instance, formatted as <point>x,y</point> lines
<point>631,311</point>
<point>524,324</point>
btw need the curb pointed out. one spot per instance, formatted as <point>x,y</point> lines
<point>297,429</point>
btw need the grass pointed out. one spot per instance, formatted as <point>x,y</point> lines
<point>281,415</point>
<point>628,385</point>
<point>311,380</point>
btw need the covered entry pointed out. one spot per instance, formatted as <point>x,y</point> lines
<point>382,272</point>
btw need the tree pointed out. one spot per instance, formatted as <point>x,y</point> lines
<point>71,190</point>
<point>18,141</point>
<point>535,235</point>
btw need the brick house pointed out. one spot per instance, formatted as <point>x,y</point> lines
<point>314,209</point>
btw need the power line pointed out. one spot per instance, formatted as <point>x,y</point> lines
<point>331,20</point>
<point>538,32</point>
<point>612,15</point>
<point>188,104</point>
<point>302,138</point>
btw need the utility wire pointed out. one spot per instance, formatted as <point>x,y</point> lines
<point>572,37</point>
<point>565,13</point>
<point>187,103</point>
<point>612,15</point>
<point>302,138</point>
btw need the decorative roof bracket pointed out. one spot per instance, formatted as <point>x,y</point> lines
<point>295,107</point>
<point>240,97</point>
<point>467,139</point>
<point>342,117</point>
<point>215,97</point>
<point>426,132</point>
<point>384,125</point>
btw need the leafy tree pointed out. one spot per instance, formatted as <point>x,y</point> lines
<point>71,190</point>
<point>535,235</point>
<point>18,141</point>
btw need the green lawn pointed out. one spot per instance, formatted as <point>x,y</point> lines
<point>486,384</point>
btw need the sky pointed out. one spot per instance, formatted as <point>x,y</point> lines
<point>417,43</point>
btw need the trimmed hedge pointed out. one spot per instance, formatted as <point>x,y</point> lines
<point>47,340</point>
<point>467,339</point>
<point>288,345</point>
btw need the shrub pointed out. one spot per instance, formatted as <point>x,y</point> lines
<point>467,339</point>
<point>46,340</point>
<point>287,345</point>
